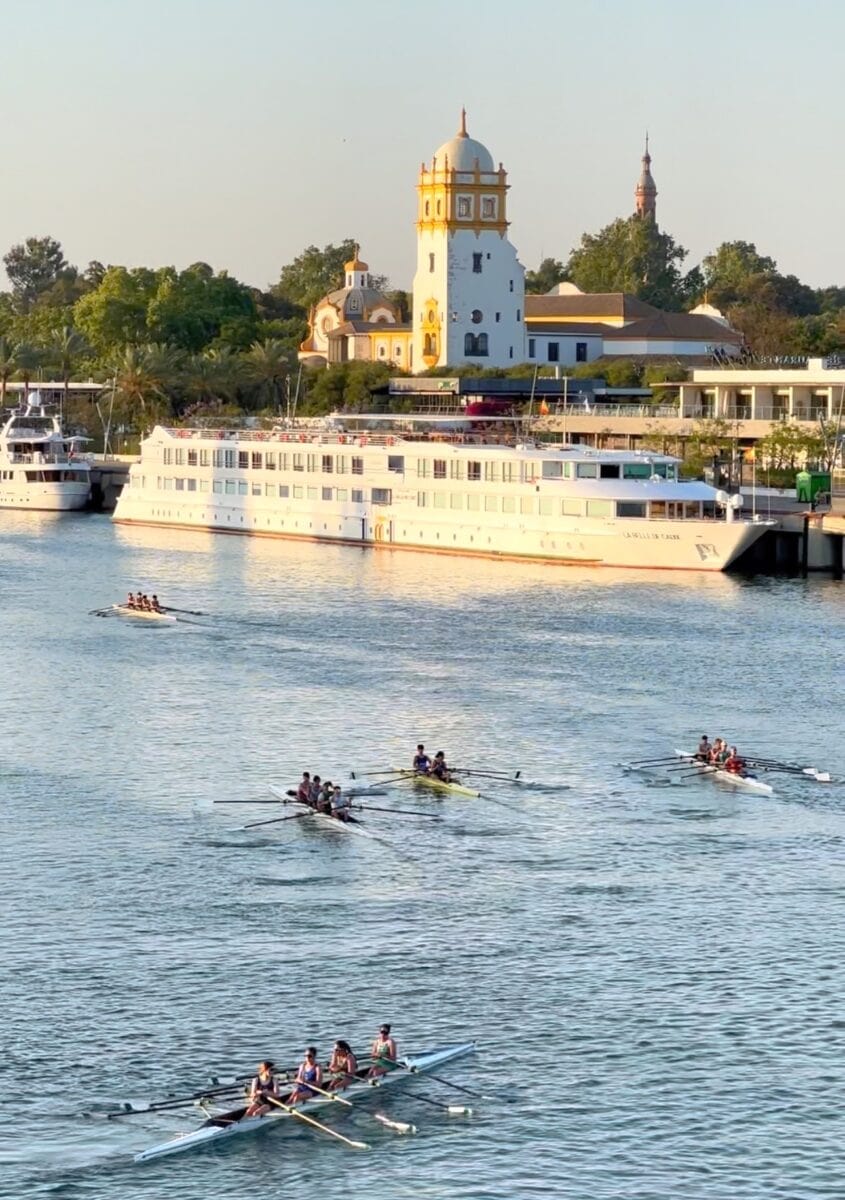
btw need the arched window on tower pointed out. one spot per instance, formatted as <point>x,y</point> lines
<point>481,344</point>
<point>469,343</point>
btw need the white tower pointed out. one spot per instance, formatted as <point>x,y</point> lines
<point>469,289</point>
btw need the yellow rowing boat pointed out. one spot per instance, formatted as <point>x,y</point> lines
<point>454,787</point>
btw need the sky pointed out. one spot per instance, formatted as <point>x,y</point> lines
<point>238,132</point>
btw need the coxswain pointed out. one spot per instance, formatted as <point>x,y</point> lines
<point>734,763</point>
<point>422,763</point>
<point>303,792</point>
<point>309,1072</point>
<point>382,1051</point>
<point>316,789</point>
<point>704,748</point>
<point>263,1085</point>
<point>342,1066</point>
<point>439,769</point>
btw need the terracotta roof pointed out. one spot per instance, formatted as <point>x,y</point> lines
<point>677,327</point>
<point>588,304</point>
<point>567,328</point>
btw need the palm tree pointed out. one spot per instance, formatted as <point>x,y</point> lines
<point>68,344</point>
<point>143,375</point>
<point>7,368</point>
<point>28,359</point>
<point>268,364</point>
<point>214,375</point>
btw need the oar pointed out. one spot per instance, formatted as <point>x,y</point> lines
<point>294,1112</point>
<point>100,612</point>
<point>404,812</point>
<point>448,1083</point>
<point>130,1110</point>
<point>769,764</point>
<point>189,612</point>
<point>392,1065</point>
<point>653,762</point>
<point>454,1110</point>
<point>400,1126</point>
<point>269,821</point>
<point>407,776</point>
<point>249,802</point>
<point>513,776</point>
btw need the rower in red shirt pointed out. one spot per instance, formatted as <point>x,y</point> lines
<point>734,763</point>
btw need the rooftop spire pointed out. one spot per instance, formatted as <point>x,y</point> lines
<point>462,132</point>
<point>645,193</point>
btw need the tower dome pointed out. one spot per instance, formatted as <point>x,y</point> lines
<point>463,152</point>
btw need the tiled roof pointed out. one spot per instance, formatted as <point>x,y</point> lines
<point>676,327</point>
<point>588,304</point>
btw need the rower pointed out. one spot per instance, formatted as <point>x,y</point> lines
<point>156,606</point>
<point>316,789</point>
<point>734,763</point>
<point>340,804</point>
<point>263,1085</point>
<point>383,1050</point>
<point>422,763</point>
<point>439,769</point>
<point>715,751</point>
<point>342,1066</point>
<point>704,748</point>
<point>324,800</point>
<point>130,603</point>
<point>303,792</point>
<point>309,1071</point>
<point>723,754</point>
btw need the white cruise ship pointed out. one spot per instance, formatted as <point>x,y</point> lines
<point>40,468</point>
<point>565,504</point>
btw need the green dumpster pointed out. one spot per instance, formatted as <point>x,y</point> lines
<point>808,484</point>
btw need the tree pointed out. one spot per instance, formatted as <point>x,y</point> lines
<point>192,308</point>
<point>68,345</point>
<point>143,377</point>
<point>114,314</point>
<point>7,367</point>
<point>729,268</point>
<point>268,364</point>
<point>549,273</point>
<point>28,360</point>
<point>634,256</point>
<point>34,266</point>
<point>214,375</point>
<point>313,274</point>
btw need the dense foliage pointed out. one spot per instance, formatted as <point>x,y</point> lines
<point>199,344</point>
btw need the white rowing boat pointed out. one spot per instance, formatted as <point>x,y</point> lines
<point>354,826</point>
<point>454,787</point>
<point>142,614</point>
<point>234,1123</point>
<point>745,783</point>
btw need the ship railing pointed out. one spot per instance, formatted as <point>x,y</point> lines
<point>54,459</point>
<point>285,436</point>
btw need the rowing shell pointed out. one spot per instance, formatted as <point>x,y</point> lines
<point>234,1123</point>
<point>455,788</point>
<point>142,614</point>
<point>354,826</point>
<point>745,783</point>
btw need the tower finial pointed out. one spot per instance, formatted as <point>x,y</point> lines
<point>646,143</point>
<point>463,130</point>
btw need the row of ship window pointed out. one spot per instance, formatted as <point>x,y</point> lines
<point>544,506</point>
<point>492,471</point>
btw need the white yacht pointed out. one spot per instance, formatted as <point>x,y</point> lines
<point>40,468</point>
<point>449,493</point>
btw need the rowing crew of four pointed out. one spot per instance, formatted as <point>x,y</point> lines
<point>436,767</point>
<point>342,1070</point>
<point>717,754</point>
<point>323,797</point>
<point>143,603</point>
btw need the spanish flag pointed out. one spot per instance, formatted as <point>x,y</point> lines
<point>543,409</point>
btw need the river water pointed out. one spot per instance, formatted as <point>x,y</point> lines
<point>653,973</point>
